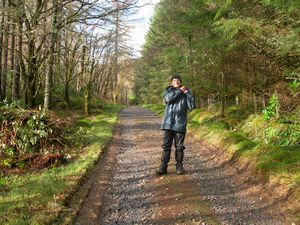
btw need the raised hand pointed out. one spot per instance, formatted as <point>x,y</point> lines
<point>184,89</point>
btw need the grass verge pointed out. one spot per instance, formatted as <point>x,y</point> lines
<point>38,197</point>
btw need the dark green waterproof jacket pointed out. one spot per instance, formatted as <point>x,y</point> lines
<point>177,106</point>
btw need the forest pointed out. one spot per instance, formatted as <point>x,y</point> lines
<point>240,58</point>
<point>53,46</point>
<point>58,55</point>
<point>67,69</point>
<point>60,62</point>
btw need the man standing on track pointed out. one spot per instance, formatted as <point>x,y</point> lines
<point>178,100</point>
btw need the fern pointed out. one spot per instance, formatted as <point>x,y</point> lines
<point>223,9</point>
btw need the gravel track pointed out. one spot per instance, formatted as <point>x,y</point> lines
<point>233,201</point>
<point>131,193</point>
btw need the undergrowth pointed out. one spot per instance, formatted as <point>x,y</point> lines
<point>38,195</point>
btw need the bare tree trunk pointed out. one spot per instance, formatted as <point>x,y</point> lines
<point>46,42</point>
<point>16,78</point>
<point>237,103</point>
<point>49,75</point>
<point>255,103</point>
<point>1,43</point>
<point>66,94</point>
<point>5,58</point>
<point>32,73</point>
<point>277,105</point>
<point>191,60</point>
<point>58,38</point>
<point>20,64</point>
<point>33,65</point>
<point>83,75</point>
<point>223,98</point>
<point>12,55</point>
<point>263,101</point>
<point>67,65</point>
<point>116,67</point>
<point>87,100</point>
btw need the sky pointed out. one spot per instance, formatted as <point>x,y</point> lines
<point>141,27</point>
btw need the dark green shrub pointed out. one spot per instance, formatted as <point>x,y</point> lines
<point>29,132</point>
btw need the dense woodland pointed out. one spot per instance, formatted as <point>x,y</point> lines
<point>230,52</point>
<point>239,58</point>
<point>58,55</point>
<point>60,46</point>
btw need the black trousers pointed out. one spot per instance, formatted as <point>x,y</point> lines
<point>168,139</point>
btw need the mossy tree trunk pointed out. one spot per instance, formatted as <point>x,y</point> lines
<point>66,94</point>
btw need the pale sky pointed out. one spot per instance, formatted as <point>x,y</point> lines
<point>139,31</point>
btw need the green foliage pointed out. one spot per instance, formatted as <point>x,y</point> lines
<point>61,105</point>
<point>28,132</point>
<point>31,133</point>
<point>295,83</point>
<point>279,161</point>
<point>2,182</point>
<point>270,111</point>
<point>21,134</point>
<point>12,103</point>
<point>271,135</point>
<point>76,135</point>
<point>224,49</point>
<point>267,145</point>
<point>291,6</point>
<point>224,8</point>
<point>230,28</point>
<point>132,99</point>
<point>249,43</point>
<point>290,136</point>
<point>38,197</point>
<point>283,132</point>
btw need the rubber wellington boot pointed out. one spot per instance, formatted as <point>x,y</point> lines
<point>179,168</point>
<point>162,169</point>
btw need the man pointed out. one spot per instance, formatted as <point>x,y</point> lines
<point>178,100</point>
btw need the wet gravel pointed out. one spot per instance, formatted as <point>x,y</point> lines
<point>132,196</point>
